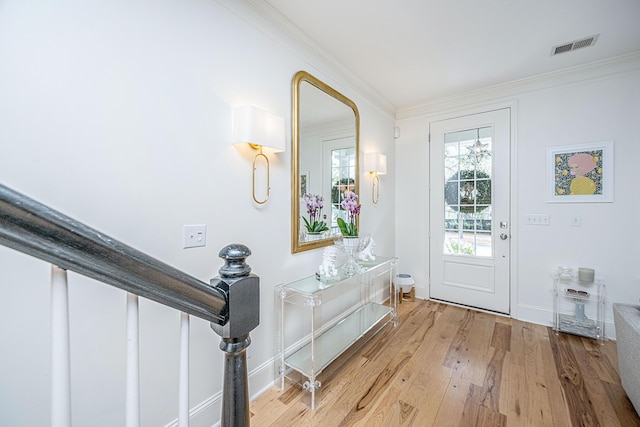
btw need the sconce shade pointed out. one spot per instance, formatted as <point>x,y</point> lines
<point>375,163</point>
<point>258,127</point>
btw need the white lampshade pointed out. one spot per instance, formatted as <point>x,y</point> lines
<point>375,162</point>
<point>255,126</point>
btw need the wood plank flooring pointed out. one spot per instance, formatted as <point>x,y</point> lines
<point>449,366</point>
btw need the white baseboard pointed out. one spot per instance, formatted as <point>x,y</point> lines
<point>538,315</point>
<point>543,316</point>
<point>422,293</point>
<point>201,415</point>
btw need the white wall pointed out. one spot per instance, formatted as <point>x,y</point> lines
<point>119,115</point>
<point>600,103</point>
<point>600,110</point>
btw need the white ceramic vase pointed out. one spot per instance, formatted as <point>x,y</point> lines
<point>312,236</point>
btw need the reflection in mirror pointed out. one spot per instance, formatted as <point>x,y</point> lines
<point>324,160</point>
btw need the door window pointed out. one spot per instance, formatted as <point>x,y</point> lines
<point>467,192</point>
<point>343,179</point>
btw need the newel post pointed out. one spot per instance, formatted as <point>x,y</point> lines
<point>243,307</point>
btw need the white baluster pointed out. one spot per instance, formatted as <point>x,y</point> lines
<point>60,360</point>
<point>133,363</point>
<point>183,389</point>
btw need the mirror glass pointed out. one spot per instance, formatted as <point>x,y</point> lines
<point>325,159</point>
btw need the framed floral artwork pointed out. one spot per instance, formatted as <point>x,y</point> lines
<point>304,183</point>
<point>580,173</point>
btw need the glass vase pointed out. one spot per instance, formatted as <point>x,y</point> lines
<point>350,245</point>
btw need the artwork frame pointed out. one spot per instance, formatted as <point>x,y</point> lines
<point>304,183</point>
<point>580,173</point>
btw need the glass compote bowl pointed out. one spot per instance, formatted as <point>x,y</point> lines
<point>352,246</point>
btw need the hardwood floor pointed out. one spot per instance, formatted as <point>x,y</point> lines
<point>449,366</point>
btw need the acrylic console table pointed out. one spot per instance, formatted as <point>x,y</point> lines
<point>318,321</point>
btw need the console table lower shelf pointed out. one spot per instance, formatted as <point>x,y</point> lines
<point>313,358</point>
<point>337,339</point>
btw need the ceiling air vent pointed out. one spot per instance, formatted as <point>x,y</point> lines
<point>578,44</point>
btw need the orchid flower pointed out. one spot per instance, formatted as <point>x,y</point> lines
<point>352,207</point>
<point>314,204</point>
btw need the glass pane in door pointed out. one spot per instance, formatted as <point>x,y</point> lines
<point>467,192</point>
<point>343,179</point>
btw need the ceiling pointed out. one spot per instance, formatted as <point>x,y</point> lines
<point>413,52</point>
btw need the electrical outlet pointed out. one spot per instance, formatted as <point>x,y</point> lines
<point>194,236</point>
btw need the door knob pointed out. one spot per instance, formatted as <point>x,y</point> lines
<point>503,236</point>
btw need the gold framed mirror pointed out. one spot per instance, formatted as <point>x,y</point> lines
<point>325,159</point>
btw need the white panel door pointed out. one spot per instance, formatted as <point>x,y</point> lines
<point>469,214</point>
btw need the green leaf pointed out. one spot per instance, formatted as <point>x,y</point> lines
<point>348,230</point>
<point>316,227</point>
<point>343,227</point>
<point>319,226</point>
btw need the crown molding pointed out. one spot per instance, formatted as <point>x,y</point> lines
<point>262,16</point>
<point>266,19</point>
<point>572,75</point>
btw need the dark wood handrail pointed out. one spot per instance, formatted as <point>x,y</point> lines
<point>37,230</point>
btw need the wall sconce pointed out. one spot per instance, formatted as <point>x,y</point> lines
<point>375,164</point>
<point>260,129</point>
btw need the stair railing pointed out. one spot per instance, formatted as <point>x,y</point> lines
<point>231,301</point>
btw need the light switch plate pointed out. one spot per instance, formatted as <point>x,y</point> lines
<point>537,219</point>
<point>194,235</point>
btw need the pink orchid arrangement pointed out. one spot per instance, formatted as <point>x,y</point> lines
<point>352,207</point>
<point>314,205</point>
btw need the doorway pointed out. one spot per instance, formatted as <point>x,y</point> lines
<point>470,240</point>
